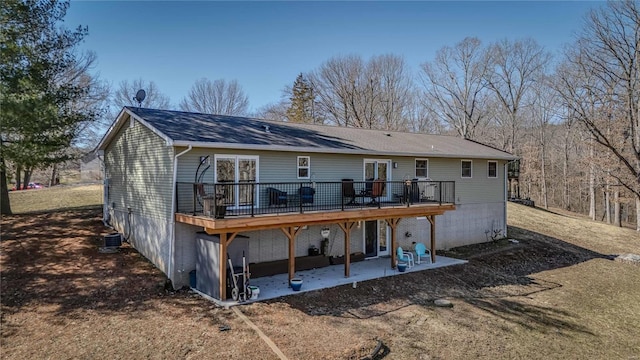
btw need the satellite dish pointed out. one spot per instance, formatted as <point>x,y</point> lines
<point>140,95</point>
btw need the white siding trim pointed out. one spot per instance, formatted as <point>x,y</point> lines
<point>415,167</point>
<point>308,167</point>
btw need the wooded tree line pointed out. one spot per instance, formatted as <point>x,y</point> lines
<point>571,117</point>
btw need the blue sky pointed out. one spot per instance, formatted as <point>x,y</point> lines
<point>264,45</point>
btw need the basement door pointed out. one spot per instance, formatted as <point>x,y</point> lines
<point>376,238</point>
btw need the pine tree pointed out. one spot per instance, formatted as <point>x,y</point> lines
<point>40,87</point>
<point>302,102</point>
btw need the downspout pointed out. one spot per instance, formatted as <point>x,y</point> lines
<point>506,175</point>
<point>506,187</point>
<point>172,223</point>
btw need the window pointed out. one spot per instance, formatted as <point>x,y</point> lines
<point>492,169</point>
<point>466,168</point>
<point>303,167</point>
<point>422,168</point>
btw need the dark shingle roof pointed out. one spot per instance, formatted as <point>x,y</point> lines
<point>185,128</point>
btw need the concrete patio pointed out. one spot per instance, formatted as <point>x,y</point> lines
<point>275,286</point>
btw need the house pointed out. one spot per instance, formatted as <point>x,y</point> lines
<point>187,190</point>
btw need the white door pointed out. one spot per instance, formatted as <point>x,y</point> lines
<point>376,238</point>
<point>378,169</point>
<point>242,171</point>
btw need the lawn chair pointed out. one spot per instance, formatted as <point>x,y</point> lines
<point>377,190</point>
<point>348,191</point>
<point>306,194</point>
<point>277,197</point>
<point>405,257</point>
<point>422,253</point>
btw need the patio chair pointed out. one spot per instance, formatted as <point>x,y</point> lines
<point>348,191</point>
<point>406,257</point>
<point>306,194</point>
<point>377,190</point>
<point>422,253</point>
<point>206,200</point>
<point>277,197</point>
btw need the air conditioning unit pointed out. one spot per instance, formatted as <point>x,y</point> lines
<point>113,240</point>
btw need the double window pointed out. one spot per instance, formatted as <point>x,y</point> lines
<point>304,167</point>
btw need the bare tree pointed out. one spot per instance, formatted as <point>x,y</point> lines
<point>216,97</point>
<point>608,53</point>
<point>374,95</point>
<point>337,84</point>
<point>545,111</point>
<point>124,95</point>
<point>456,87</point>
<point>515,67</point>
<point>275,111</point>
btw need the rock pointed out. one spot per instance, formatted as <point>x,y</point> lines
<point>443,303</point>
<point>629,258</point>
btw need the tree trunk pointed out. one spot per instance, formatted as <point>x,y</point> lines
<point>54,175</point>
<point>592,185</point>
<point>566,201</point>
<point>27,178</point>
<point>18,176</point>
<point>544,180</point>
<point>5,205</point>
<point>617,214</point>
<point>607,204</point>
<point>637,212</point>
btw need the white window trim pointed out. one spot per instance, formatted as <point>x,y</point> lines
<point>488,174</point>
<point>237,172</point>
<point>308,167</point>
<point>415,168</point>
<point>386,161</point>
<point>470,175</point>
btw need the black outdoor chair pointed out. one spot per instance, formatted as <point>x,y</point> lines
<point>306,194</point>
<point>348,191</point>
<point>277,197</point>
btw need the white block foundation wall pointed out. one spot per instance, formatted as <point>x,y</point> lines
<point>466,225</point>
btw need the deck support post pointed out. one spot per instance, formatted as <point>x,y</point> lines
<point>291,232</point>
<point>432,220</point>
<point>346,227</point>
<point>393,224</point>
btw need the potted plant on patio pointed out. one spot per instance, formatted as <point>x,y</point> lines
<point>296,284</point>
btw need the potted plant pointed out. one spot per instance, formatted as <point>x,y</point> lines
<point>295,284</point>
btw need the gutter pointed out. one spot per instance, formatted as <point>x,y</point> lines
<point>359,151</point>
<point>172,223</point>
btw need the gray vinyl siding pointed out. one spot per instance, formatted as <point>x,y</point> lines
<point>139,165</point>
<point>281,167</point>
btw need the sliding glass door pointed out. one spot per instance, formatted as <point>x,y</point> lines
<point>241,172</point>
<point>378,169</point>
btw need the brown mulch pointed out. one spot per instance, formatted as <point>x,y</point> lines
<point>62,298</point>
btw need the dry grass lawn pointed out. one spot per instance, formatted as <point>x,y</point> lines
<point>55,198</point>
<point>556,294</point>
